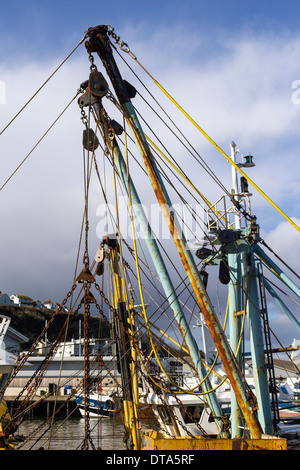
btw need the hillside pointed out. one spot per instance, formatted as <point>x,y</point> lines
<point>30,322</point>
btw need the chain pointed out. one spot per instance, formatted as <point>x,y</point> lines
<point>37,377</point>
<point>84,117</point>
<point>93,66</point>
<point>136,345</point>
<point>24,357</point>
<point>175,418</point>
<point>43,424</point>
<point>86,385</point>
<point>123,45</point>
<point>105,299</point>
<point>86,381</point>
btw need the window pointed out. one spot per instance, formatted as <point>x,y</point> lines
<point>191,414</point>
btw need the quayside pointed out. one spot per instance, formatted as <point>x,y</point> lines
<point>184,353</point>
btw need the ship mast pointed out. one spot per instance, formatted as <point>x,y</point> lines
<point>99,43</point>
<point>235,301</point>
<point>93,98</point>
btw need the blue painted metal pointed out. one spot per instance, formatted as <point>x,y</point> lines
<point>281,304</point>
<point>240,387</point>
<point>235,305</point>
<point>273,266</point>
<point>99,43</point>
<point>257,347</point>
<point>163,274</point>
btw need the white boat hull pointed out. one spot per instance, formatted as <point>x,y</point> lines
<point>98,406</point>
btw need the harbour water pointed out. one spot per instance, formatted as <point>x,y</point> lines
<point>106,434</point>
<point>68,434</point>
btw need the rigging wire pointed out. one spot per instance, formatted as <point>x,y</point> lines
<point>281,290</point>
<point>39,141</point>
<point>240,336</point>
<point>177,168</point>
<point>191,210</point>
<point>118,229</point>
<point>280,259</point>
<point>185,286</point>
<point>42,86</point>
<point>224,154</point>
<point>175,165</point>
<point>143,306</point>
<point>142,297</point>
<point>105,198</point>
<point>200,160</point>
<point>137,264</point>
<point>290,268</point>
<point>167,94</point>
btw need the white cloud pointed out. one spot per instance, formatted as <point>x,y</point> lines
<point>239,90</point>
<point>245,94</point>
<point>285,241</point>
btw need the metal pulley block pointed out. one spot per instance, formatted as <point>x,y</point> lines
<point>86,99</point>
<point>110,133</point>
<point>224,273</point>
<point>99,269</point>
<point>97,84</point>
<point>130,89</point>
<point>99,258</point>
<point>90,140</point>
<point>203,252</point>
<point>85,276</point>
<point>113,129</point>
<point>229,236</point>
<point>117,128</point>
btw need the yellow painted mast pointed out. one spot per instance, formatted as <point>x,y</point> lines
<point>126,351</point>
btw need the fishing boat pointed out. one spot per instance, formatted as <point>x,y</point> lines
<point>98,405</point>
<point>8,362</point>
<point>217,405</point>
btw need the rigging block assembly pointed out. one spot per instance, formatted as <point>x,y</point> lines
<point>225,401</point>
<point>99,43</point>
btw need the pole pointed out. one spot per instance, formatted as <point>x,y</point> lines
<point>257,345</point>
<point>99,43</point>
<point>281,304</point>
<point>234,293</point>
<point>273,266</point>
<point>126,358</point>
<point>235,185</point>
<point>252,307</point>
<point>162,271</point>
<point>235,304</point>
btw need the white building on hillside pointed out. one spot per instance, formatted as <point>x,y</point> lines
<point>21,300</point>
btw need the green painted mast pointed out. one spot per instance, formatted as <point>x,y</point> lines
<point>99,42</point>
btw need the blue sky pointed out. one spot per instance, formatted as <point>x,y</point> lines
<point>37,28</point>
<point>230,63</point>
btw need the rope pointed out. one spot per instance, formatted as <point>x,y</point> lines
<point>214,143</point>
<point>142,297</point>
<point>38,142</point>
<point>137,263</point>
<point>42,86</point>
<point>280,259</point>
<point>178,171</point>
<point>200,160</point>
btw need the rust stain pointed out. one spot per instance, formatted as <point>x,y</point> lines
<point>248,406</point>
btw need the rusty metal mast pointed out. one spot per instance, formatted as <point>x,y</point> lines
<point>99,42</point>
